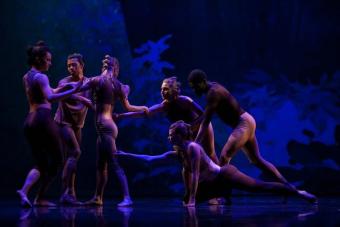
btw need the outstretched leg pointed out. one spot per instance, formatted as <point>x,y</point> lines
<point>242,181</point>
<point>252,151</point>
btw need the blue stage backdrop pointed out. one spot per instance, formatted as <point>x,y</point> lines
<point>280,59</point>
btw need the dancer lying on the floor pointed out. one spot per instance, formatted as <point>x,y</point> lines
<point>203,179</point>
<point>178,107</point>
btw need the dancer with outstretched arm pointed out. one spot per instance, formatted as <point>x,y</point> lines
<point>203,179</point>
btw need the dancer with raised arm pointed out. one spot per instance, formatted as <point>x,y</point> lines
<point>40,130</point>
<point>107,90</point>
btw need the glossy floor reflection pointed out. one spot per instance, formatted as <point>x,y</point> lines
<point>245,211</point>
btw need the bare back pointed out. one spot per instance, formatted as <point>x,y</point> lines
<point>106,91</point>
<point>224,104</point>
<point>208,169</point>
<point>34,90</point>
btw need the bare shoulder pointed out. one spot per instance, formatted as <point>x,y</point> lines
<point>93,80</point>
<point>194,147</point>
<point>185,99</point>
<point>65,80</point>
<point>41,77</point>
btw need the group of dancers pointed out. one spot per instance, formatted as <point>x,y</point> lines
<point>55,143</point>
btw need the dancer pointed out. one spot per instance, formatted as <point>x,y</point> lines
<point>70,117</point>
<point>40,130</point>
<point>107,90</point>
<point>203,179</point>
<point>178,107</point>
<point>243,136</point>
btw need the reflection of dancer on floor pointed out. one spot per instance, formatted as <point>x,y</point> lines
<point>190,218</point>
<point>127,212</point>
<point>40,130</point>
<point>70,117</point>
<point>220,101</point>
<point>178,107</point>
<point>203,179</point>
<point>107,90</point>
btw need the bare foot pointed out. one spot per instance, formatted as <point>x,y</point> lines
<point>43,203</point>
<point>217,201</point>
<point>94,202</point>
<point>125,203</point>
<point>24,200</point>
<point>214,201</point>
<point>69,200</point>
<point>309,197</point>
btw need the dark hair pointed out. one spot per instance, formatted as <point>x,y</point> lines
<point>197,76</point>
<point>36,53</point>
<point>77,56</point>
<point>182,128</point>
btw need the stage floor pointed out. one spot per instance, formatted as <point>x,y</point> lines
<point>244,211</point>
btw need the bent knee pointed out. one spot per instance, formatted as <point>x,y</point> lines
<point>75,154</point>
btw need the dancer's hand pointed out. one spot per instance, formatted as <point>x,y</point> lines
<point>145,109</point>
<point>76,85</point>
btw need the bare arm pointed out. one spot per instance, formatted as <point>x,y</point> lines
<point>193,173</point>
<point>85,101</point>
<point>212,101</point>
<point>149,158</point>
<point>152,111</point>
<point>48,91</point>
<point>125,90</point>
<point>194,107</point>
<point>133,108</point>
<point>187,182</point>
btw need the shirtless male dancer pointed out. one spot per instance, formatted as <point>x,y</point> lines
<point>220,101</point>
<point>40,130</point>
<point>107,90</point>
<point>203,179</point>
<point>179,107</point>
<point>70,117</point>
